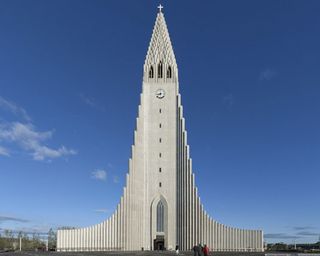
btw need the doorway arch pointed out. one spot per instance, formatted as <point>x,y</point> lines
<point>159,223</point>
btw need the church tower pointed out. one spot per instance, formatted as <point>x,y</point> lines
<point>160,207</point>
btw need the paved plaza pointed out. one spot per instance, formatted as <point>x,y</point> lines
<point>148,253</point>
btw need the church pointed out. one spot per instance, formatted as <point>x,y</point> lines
<point>160,207</point>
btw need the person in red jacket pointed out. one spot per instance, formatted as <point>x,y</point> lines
<point>205,250</point>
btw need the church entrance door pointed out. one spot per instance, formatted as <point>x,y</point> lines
<point>158,243</point>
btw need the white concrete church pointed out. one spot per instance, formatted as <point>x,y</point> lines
<point>160,206</point>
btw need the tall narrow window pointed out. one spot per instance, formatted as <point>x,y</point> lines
<point>169,72</point>
<point>160,169</point>
<point>160,70</point>
<point>160,140</point>
<point>160,217</point>
<point>159,110</point>
<point>160,125</point>
<point>160,154</point>
<point>151,72</point>
<point>160,184</point>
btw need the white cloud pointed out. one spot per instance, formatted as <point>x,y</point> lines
<point>101,210</point>
<point>26,136</point>
<point>228,100</point>
<point>115,179</point>
<point>267,74</point>
<point>99,174</point>
<point>13,108</point>
<point>89,101</point>
<point>4,151</point>
<point>92,102</point>
<point>10,218</point>
<point>281,236</point>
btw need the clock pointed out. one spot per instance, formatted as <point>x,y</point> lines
<point>160,93</point>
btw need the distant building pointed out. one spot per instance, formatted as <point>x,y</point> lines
<point>160,207</point>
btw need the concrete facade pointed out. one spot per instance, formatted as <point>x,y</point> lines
<point>160,205</point>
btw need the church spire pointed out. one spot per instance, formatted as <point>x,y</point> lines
<point>160,64</point>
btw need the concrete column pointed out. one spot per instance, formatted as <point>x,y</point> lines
<point>236,239</point>
<point>108,234</point>
<point>99,234</point>
<point>209,230</point>
<point>86,235</point>
<point>228,239</point>
<point>65,234</point>
<point>116,229</point>
<point>59,244</point>
<point>196,218</point>
<point>223,235</point>
<point>122,224</point>
<point>71,238</point>
<point>247,240</point>
<point>74,239</point>
<point>59,234</point>
<point>242,240</point>
<point>193,213</point>
<point>190,195</point>
<point>119,226</point>
<point>90,238</point>
<point>63,240</point>
<point>83,243</point>
<point>113,231</point>
<point>231,239</point>
<point>219,237</point>
<point>95,238</point>
<point>211,234</point>
<point>103,235</point>
<point>214,242</point>
<point>80,239</point>
<point>67,239</point>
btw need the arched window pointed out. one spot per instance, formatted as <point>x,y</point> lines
<point>169,72</point>
<point>151,72</point>
<point>160,70</point>
<point>160,217</point>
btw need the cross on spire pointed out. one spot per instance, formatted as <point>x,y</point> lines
<point>160,7</point>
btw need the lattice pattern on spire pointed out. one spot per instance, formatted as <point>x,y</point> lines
<point>160,48</point>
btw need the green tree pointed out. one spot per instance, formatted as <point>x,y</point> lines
<point>8,239</point>
<point>52,239</point>
<point>2,242</point>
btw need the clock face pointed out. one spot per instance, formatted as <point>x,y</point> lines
<point>160,93</point>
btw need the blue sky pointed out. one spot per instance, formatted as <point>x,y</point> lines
<point>70,79</point>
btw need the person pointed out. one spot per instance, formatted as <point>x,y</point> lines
<point>196,250</point>
<point>205,250</point>
<point>200,250</point>
<point>177,249</point>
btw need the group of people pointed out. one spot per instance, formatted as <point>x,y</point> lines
<point>199,250</point>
